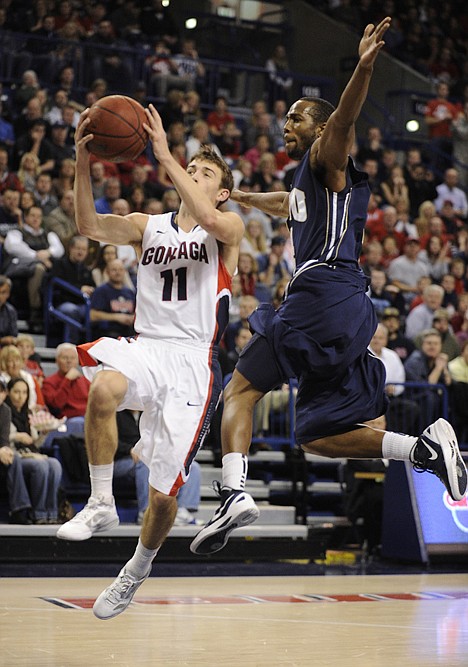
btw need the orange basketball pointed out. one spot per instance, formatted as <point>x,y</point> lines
<point>117,126</point>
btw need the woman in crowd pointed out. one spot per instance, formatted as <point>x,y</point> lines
<point>11,471</point>
<point>394,189</point>
<point>26,201</point>
<point>254,241</point>
<point>42,473</point>
<point>106,254</point>
<point>12,367</point>
<point>248,272</point>
<point>65,179</point>
<point>426,212</point>
<point>435,258</point>
<point>28,171</point>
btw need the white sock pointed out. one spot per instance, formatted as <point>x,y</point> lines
<point>397,446</point>
<point>140,562</point>
<point>235,467</point>
<point>101,480</point>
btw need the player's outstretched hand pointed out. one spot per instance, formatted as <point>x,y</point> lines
<point>81,139</point>
<point>372,41</point>
<point>156,133</point>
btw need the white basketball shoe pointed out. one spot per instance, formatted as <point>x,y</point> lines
<point>99,514</point>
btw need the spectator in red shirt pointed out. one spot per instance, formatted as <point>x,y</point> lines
<point>439,116</point>
<point>8,179</point>
<point>374,217</point>
<point>457,269</point>
<point>436,227</point>
<point>385,227</point>
<point>66,392</point>
<point>218,118</point>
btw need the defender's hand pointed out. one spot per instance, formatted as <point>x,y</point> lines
<point>372,42</point>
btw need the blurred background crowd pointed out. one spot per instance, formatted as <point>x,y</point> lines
<point>61,56</point>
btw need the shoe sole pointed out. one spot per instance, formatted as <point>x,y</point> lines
<point>444,435</point>
<point>217,540</point>
<point>82,538</point>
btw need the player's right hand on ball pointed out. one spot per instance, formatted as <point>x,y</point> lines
<point>156,133</point>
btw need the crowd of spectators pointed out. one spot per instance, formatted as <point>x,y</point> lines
<point>415,248</point>
<point>429,36</point>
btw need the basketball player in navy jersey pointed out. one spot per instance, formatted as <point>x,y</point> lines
<point>170,371</point>
<point>321,332</point>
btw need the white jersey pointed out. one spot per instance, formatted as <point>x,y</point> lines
<point>183,287</point>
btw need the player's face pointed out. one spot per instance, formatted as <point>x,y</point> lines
<point>208,177</point>
<point>300,130</point>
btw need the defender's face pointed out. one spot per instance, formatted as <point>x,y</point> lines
<point>300,130</point>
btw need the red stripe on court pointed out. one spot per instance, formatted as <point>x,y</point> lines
<point>87,603</point>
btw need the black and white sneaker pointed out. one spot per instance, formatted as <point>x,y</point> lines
<point>237,509</point>
<point>437,452</point>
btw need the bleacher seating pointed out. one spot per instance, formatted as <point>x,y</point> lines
<point>53,314</point>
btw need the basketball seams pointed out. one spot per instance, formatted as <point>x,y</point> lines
<point>112,155</point>
<point>127,115</point>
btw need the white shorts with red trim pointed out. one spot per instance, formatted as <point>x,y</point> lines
<point>171,383</point>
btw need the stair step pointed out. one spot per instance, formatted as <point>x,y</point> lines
<point>205,456</point>
<point>269,514</point>
<point>49,367</point>
<point>132,530</point>
<point>46,352</point>
<point>315,487</point>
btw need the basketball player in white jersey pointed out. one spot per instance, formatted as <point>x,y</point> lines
<point>170,371</point>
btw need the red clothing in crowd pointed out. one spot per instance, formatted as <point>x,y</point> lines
<point>374,222</point>
<point>219,121</point>
<point>64,397</point>
<point>438,108</point>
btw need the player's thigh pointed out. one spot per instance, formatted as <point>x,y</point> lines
<point>258,369</point>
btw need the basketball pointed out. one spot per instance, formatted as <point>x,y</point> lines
<point>116,121</point>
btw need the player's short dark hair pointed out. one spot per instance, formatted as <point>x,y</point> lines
<point>320,110</point>
<point>207,154</point>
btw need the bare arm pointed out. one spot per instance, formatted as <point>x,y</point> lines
<point>116,229</point>
<point>104,316</point>
<point>331,150</point>
<point>404,287</point>
<point>272,203</point>
<point>228,227</point>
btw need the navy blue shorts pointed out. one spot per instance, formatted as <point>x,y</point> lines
<point>320,335</point>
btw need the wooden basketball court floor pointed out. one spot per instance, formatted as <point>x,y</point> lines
<point>358,620</point>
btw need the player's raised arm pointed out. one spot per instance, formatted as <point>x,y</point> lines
<point>338,135</point>
<point>105,228</point>
<point>228,227</point>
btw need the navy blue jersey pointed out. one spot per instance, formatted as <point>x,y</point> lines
<point>321,331</point>
<point>327,226</point>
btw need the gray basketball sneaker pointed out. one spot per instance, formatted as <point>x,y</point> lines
<point>437,452</point>
<point>237,509</point>
<point>116,598</point>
